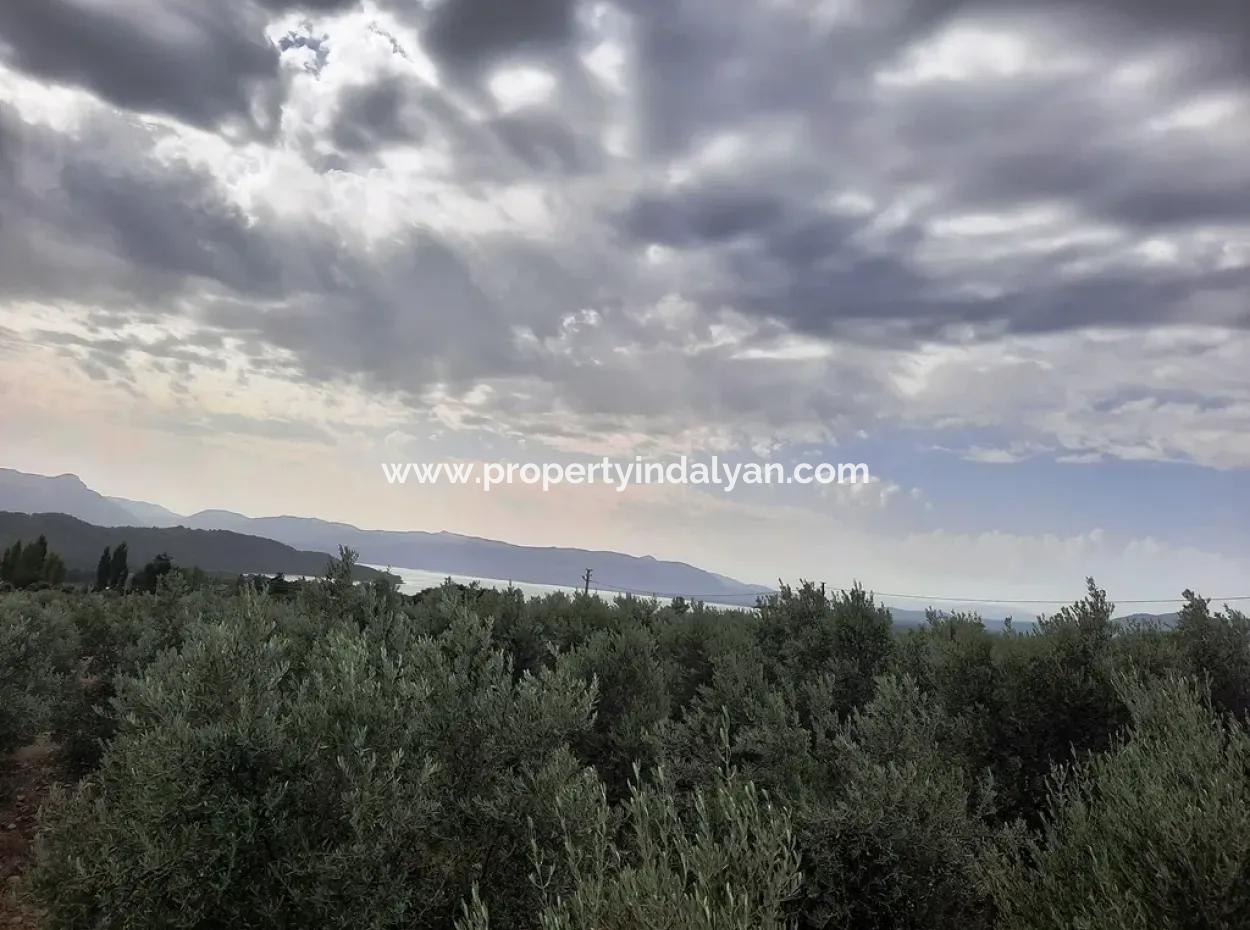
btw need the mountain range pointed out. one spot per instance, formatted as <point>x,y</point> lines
<point>441,552</point>
<point>219,552</point>
<point>452,553</point>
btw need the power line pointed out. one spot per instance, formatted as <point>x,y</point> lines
<point>923,597</point>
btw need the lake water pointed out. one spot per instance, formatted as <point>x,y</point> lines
<point>413,580</point>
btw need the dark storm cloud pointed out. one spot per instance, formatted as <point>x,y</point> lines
<point>828,273</point>
<point>545,144</point>
<point>704,64</point>
<point>95,218</point>
<point>204,63</point>
<point>412,315</point>
<point>112,228</point>
<point>196,61</point>
<point>995,145</point>
<point>400,110</point>
<point>1222,26</point>
<point>313,6</point>
<point>702,215</point>
<point>468,33</point>
<point>762,233</point>
<point>8,148</point>
<point>175,223</point>
<point>997,142</point>
<point>707,64</point>
<point>375,115</point>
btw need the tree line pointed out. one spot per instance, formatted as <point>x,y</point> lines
<point>339,755</point>
<point>31,565</point>
<point>113,573</point>
<point>25,565</point>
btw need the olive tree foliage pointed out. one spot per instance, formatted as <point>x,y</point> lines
<point>1216,646</point>
<point>118,637</point>
<point>898,841</point>
<point>1153,834</point>
<point>261,777</point>
<point>1055,699</point>
<point>733,866</point>
<point>632,700</point>
<point>38,653</point>
<point>889,820</point>
<point>843,639</point>
<point>336,754</point>
<point>722,859</point>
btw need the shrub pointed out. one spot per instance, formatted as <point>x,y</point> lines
<point>898,844</point>
<point>38,648</point>
<point>631,702</point>
<point>1217,646</point>
<point>1152,834</point>
<point>729,864</point>
<point>1056,699</point>
<point>261,778</point>
<point>335,755</point>
<point>116,637</point>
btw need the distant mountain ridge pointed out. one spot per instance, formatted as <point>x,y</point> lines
<point>450,553</point>
<point>26,493</point>
<point>144,514</point>
<point>215,551</point>
<point>457,554</point>
<point>447,552</point>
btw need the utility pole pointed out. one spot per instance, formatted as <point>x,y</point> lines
<point>586,581</point>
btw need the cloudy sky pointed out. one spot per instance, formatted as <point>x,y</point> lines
<point>998,251</point>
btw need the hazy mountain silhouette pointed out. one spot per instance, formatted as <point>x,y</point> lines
<point>26,493</point>
<point>215,551</point>
<point>452,553</point>
<point>456,554</point>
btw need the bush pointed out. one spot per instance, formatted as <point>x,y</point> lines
<point>260,779</point>
<point>38,650</point>
<point>1217,646</point>
<point>729,864</point>
<point>898,844</point>
<point>1155,833</point>
<point>335,755</point>
<point>1056,699</point>
<point>631,702</point>
<point>119,636</point>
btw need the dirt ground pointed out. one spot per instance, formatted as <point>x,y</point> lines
<point>24,780</point>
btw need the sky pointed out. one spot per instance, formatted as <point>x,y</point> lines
<point>999,252</point>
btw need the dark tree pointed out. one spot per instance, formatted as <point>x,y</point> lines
<point>150,575</point>
<point>118,569</point>
<point>8,564</point>
<point>103,570</point>
<point>53,569</point>
<point>30,564</point>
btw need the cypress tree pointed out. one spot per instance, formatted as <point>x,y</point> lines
<point>118,570</point>
<point>53,569</point>
<point>30,565</point>
<point>8,564</point>
<point>103,569</point>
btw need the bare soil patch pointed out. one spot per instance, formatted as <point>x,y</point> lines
<point>25,777</point>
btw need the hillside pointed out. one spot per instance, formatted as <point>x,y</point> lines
<point>25,493</point>
<point>432,551</point>
<point>488,558</point>
<point>217,551</point>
